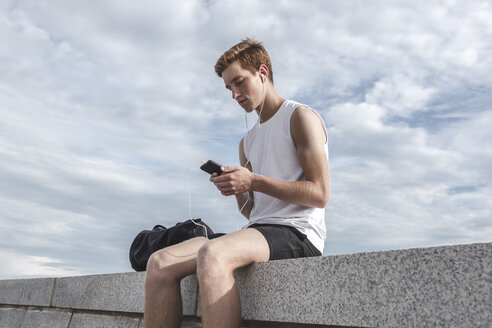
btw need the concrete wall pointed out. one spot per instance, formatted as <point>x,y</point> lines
<point>431,287</point>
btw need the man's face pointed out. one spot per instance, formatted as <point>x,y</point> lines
<point>245,86</point>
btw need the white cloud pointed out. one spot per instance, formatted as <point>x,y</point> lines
<point>400,95</point>
<point>404,186</point>
<point>26,266</point>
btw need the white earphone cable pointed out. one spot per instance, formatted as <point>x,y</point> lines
<point>189,202</point>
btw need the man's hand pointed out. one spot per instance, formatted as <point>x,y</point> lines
<point>233,180</point>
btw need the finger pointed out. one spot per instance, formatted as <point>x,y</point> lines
<point>224,186</point>
<point>227,193</point>
<point>219,178</point>
<point>228,169</point>
<point>222,178</point>
<point>212,176</point>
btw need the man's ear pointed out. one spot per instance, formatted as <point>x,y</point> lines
<point>263,71</point>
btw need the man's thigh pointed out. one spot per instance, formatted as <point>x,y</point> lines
<point>241,247</point>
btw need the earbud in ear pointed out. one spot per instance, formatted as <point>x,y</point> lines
<point>262,77</point>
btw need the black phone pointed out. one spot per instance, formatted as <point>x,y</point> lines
<point>211,167</point>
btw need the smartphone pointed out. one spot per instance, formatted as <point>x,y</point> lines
<point>211,167</point>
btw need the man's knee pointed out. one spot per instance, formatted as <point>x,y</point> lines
<point>211,259</point>
<point>160,269</point>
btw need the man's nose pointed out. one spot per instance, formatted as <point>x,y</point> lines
<point>235,93</point>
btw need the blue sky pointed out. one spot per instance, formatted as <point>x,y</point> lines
<point>104,105</point>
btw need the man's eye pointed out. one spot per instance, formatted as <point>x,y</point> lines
<point>238,83</point>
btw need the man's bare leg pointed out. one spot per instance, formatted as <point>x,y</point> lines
<point>165,269</point>
<point>217,261</point>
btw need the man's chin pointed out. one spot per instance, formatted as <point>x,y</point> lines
<point>247,107</point>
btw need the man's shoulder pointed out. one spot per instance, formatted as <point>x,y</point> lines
<point>305,121</point>
<point>304,112</point>
<point>303,108</point>
<point>295,109</point>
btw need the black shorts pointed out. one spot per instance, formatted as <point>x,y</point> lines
<point>286,242</point>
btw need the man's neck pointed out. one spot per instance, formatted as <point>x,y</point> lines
<point>273,101</point>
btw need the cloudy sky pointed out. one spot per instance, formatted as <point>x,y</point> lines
<point>105,105</point>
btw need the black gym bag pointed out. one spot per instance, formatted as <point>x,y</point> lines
<point>149,241</point>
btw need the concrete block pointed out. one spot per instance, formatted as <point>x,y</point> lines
<point>432,287</point>
<point>80,320</point>
<point>46,318</point>
<point>11,317</point>
<point>191,323</point>
<point>36,292</point>
<point>270,324</point>
<point>114,292</point>
<point>189,292</point>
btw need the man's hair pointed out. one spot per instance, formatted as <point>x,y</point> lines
<point>250,53</point>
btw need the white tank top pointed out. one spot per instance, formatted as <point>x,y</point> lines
<point>271,151</point>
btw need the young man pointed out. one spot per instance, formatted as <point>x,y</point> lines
<point>282,187</point>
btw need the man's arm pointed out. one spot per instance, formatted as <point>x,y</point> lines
<point>309,138</point>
